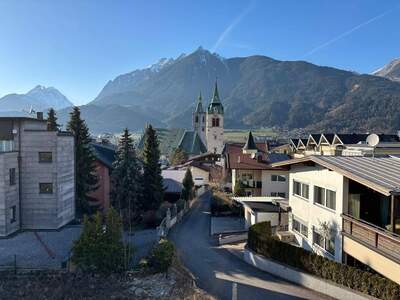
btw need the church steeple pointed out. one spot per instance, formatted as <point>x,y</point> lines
<point>215,105</point>
<point>199,106</point>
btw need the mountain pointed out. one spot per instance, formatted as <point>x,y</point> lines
<point>259,91</point>
<point>39,98</point>
<point>390,71</point>
<point>112,118</point>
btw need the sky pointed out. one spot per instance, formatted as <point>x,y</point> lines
<point>78,45</point>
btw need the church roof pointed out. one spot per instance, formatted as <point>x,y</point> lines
<point>199,106</point>
<point>250,144</point>
<point>215,105</point>
<point>191,143</point>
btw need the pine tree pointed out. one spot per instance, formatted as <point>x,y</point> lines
<point>52,121</point>
<point>179,156</point>
<point>126,180</point>
<point>100,247</point>
<point>188,185</point>
<point>153,181</point>
<point>85,176</point>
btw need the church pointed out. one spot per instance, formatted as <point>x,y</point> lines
<point>208,128</point>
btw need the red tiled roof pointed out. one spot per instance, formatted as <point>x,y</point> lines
<point>238,160</point>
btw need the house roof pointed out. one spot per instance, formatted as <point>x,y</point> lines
<point>191,143</point>
<point>250,144</point>
<point>172,186</point>
<point>379,173</point>
<point>259,206</point>
<point>237,160</point>
<point>105,153</point>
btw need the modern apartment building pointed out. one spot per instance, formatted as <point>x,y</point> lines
<point>347,209</point>
<point>37,189</point>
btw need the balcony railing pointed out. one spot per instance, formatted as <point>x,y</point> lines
<point>6,145</point>
<point>376,238</point>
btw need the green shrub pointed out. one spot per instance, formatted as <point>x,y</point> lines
<point>100,248</point>
<point>162,255</point>
<point>261,241</point>
<point>221,203</point>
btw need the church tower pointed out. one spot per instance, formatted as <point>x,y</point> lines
<point>199,120</point>
<point>215,124</point>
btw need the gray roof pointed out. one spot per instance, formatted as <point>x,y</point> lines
<point>259,206</point>
<point>379,173</point>
<point>191,143</point>
<point>172,186</point>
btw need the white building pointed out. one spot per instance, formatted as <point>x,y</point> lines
<point>347,209</point>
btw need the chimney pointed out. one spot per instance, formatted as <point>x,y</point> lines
<point>39,115</point>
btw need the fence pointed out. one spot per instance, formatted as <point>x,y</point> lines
<point>174,217</point>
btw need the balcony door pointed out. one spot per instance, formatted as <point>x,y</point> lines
<point>354,205</point>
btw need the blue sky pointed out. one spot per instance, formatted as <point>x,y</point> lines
<point>78,45</point>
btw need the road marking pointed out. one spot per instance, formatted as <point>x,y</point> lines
<point>234,291</point>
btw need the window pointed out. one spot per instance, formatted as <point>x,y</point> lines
<point>299,227</point>
<point>215,122</point>
<point>203,119</point>
<point>198,178</point>
<point>46,188</point>
<point>247,176</point>
<point>325,197</point>
<point>280,178</point>
<point>45,157</point>
<point>324,243</point>
<point>300,189</point>
<point>196,119</point>
<point>275,194</point>
<point>13,214</point>
<point>12,176</point>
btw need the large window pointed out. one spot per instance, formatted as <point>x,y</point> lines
<point>280,178</point>
<point>215,122</point>
<point>45,157</point>
<point>12,176</point>
<point>300,189</point>
<point>300,227</point>
<point>328,244</point>
<point>46,188</point>
<point>325,197</point>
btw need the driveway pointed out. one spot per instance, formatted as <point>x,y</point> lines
<point>219,272</point>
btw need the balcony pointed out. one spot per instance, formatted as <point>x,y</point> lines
<point>6,145</point>
<point>375,238</point>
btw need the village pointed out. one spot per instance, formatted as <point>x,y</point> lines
<point>320,211</point>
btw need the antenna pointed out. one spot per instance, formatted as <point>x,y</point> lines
<point>373,140</point>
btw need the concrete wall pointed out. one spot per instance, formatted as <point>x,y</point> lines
<point>9,194</point>
<point>269,186</point>
<point>376,261</point>
<point>215,135</point>
<point>314,214</point>
<point>199,173</point>
<point>301,278</point>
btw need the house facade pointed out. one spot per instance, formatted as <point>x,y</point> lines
<point>347,209</point>
<point>38,175</point>
<point>250,164</point>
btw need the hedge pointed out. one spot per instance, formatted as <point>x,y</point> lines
<point>220,203</point>
<point>261,241</point>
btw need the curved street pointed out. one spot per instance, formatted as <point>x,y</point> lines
<point>221,273</point>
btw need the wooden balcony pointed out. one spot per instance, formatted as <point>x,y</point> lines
<point>376,238</point>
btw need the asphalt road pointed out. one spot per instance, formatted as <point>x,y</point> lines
<point>219,272</point>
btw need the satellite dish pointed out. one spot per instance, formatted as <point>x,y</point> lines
<point>373,139</point>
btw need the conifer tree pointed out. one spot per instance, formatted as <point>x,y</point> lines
<point>126,180</point>
<point>188,185</point>
<point>239,190</point>
<point>153,181</point>
<point>52,121</point>
<point>85,176</point>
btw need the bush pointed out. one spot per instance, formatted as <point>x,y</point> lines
<point>150,219</point>
<point>261,241</point>
<point>100,248</point>
<point>162,255</point>
<point>221,204</point>
<point>162,210</point>
<point>180,204</point>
